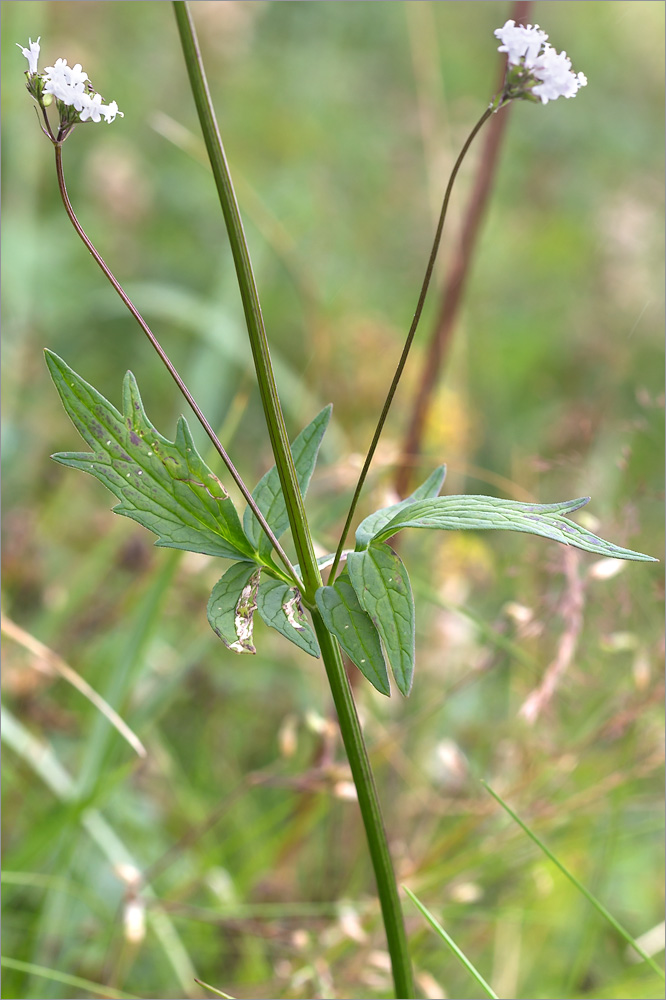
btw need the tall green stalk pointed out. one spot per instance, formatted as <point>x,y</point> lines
<point>341,691</point>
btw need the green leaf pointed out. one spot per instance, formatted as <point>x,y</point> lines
<point>165,486</point>
<point>280,607</point>
<point>268,491</point>
<point>437,927</point>
<point>232,604</point>
<point>353,628</point>
<point>370,527</point>
<point>481,513</point>
<point>382,586</point>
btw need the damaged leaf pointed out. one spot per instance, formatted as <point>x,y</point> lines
<point>280,608</point>
<point>232,604</point>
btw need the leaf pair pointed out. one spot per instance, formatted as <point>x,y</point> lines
<point>167,487</point>
<point>240,593</point>
<point>237,596</point>
<point>370,607</point>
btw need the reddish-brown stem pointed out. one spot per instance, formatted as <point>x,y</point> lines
<point>217,444</point>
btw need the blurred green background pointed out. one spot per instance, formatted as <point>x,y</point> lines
<point>341,123</point>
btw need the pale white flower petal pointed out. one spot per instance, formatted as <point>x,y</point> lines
<point>31,54</point>
<point>520,42</point>
<point>92,105</point>
<point>549,74</point>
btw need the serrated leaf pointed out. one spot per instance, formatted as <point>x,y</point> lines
<point>480,513</point>
<point>280,608</point>
<point>268,491</point>
<point>232,604</point>
<point>382,586</point>
<point>164,485</point>
<point>353,628</point>
<point>369,528</point>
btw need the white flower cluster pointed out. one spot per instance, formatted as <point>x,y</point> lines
<point>549,72</point>
<point>70,85</point>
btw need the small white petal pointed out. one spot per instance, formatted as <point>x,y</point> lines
<point>31,54</point>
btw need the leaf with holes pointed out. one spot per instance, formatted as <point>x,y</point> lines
<point>280,608</point>
<point>353,628</point>
<point>369,528</point>
<point>481,513</point>
<point>268,491</point>
<point>379,577</point>
<point>232,604</point>
<point>164,485</point>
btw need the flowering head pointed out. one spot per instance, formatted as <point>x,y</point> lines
<point>75,97</point>
<point>535,71</point>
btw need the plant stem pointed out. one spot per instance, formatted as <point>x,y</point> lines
<point>454,284</point>
<point>410,337</point>
<point>250,297</point>
<point>339,682</point>
<point>368,801</point>
<point>171,368</point>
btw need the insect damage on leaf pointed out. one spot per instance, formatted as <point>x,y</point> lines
<point>294,612</point>
<point>232,604</point>
<point>244,620</point>
<point>280,608</point>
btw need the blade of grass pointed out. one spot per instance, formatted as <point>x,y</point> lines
<point>46,659</point>
<point>39,756</point>
<point>62,977</point>
<point>598,906</point>
<point>213,990</point>
<point>437,927</point>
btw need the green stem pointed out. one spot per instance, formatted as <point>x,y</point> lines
<point>368,801</point>
<point>250,297</point>
<point>410,337</point>
<point>340,687</point>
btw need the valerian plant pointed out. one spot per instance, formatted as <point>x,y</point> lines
<point>366,608</point>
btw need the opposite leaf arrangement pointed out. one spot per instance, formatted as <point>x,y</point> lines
<point>167,487</point>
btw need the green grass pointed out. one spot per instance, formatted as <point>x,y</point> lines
<point>256,873</point>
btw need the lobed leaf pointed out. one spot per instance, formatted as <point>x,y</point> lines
<point>268,493</point>
<point>232,604</point>
<point>164,485</point>
<point>370,527</point>
<point>482,513</point>
<point>354,630</point>
<point>382,586</point>
<point>280,608</point>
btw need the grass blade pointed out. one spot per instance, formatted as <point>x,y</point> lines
<point>598,906</point>
<point>46,659</point>
<point>437,927</point>
<point>62,977</point>
<point>213,990</point>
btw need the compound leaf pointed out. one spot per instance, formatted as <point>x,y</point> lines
<point>382,586</point>
<point>482,513</point>
<point>232,604</point>
<point>354,630</point>
<point>370,527</point>
<point>164,485</point>
<point>268,491</point>
<point>280,608</point>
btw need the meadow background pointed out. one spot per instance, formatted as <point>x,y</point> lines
<point>341,123</point>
